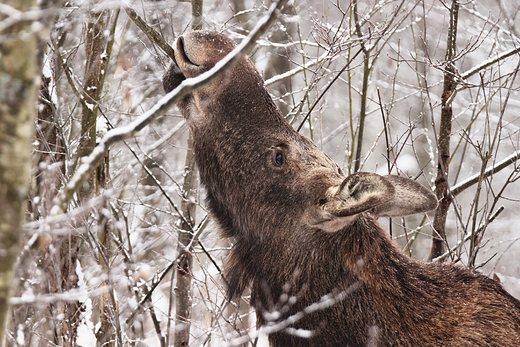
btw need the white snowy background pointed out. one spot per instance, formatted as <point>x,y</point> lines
<point>299,56</point>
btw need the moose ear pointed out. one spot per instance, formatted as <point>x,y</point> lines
<point>410,197</point>
<point>383,196</point>
<point>359,192</point>
<point>341,204</point>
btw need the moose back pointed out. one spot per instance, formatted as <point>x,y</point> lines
<point>303,230</point>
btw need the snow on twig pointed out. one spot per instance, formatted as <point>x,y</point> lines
<point>489,62</point>
<point>460,187</point>
<point>68,296</point>
<point>298,69</point>
<point>325,302</point>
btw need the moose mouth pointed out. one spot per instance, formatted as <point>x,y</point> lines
<point>173,77</point>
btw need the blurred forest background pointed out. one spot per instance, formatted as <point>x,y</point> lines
<point>423,88</point>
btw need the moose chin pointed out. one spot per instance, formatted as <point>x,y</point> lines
<point>304,231</point>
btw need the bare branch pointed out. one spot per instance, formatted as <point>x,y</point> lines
<point>153,35</point>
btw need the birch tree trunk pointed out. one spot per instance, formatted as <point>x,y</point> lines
<point>17,109</point>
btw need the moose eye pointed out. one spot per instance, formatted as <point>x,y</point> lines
<point>278,157</point>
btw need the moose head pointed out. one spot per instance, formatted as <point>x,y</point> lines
<point>303,230</point>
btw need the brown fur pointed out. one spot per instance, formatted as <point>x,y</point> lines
<point>303,230</point>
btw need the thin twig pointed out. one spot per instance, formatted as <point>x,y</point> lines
<point>468,236</point>
<point>327,88</point>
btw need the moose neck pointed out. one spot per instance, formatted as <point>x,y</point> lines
<point>314,263</point>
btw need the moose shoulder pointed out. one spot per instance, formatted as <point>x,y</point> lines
<point>303,230</point>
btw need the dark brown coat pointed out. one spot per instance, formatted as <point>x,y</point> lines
<point>302,230</point>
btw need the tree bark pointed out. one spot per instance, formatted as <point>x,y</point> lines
<point>443,142</point>
<point>364,91</point>
<point>98,51</point>
<point>183,274</point>
<point>280,62</point>
<point>18,88</point>
<point>184,266</point>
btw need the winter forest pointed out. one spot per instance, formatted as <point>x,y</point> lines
<point>104,233</point>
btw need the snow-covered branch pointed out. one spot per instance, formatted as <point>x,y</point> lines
<point>466,238</point>
<point>485,64</point>
<point>68,296</point>
<point>460,187</point>
<point>325,302</point>
<point>301,68</point>
<point>14,16</point>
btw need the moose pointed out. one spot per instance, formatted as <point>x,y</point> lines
<point>303,231</point>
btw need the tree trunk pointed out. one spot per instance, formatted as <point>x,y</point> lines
<point>17,109</point>
<point>443,142</point>
<point>183,296</point>
<point>98,50</point>
<point>280,60</point>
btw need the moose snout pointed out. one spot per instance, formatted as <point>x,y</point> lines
<point>193,57</point>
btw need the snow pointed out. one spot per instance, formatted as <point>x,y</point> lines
<point>20,337</point>
<point>86,336</point>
